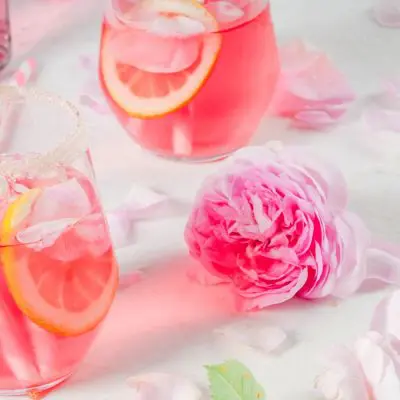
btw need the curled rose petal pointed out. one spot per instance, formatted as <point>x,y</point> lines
<point>387,13</point>
<point>382,112</point>
<point>342,377</point>
<point>311,91</point>
<point>261,338</point>
<point>159,386</point>
<point>368,370</point>
<point>386,319</point>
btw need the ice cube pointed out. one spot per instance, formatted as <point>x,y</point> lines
<point>63,200</point>
<point>173,53</point>
<point>44,234</point>
<point>225,11</point>
<point>179,26</point>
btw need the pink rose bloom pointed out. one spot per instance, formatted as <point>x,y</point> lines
<point>274,225</point>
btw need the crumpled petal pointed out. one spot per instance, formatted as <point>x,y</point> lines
<point>261,338</point>
<point>342,377</point>
<point>92,95</point>
<point>387,13</point>
<point>352,271</point>
<point>160,386</point>
<point>385,319</point>
<point>383,110</point>
<point>311,91</point>
<point>368,370</point>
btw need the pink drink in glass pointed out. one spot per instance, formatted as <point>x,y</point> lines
<point>58,273</point>
<point>233,91</point>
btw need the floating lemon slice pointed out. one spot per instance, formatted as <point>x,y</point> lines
<point>67,298</point>
<point>148,94</point>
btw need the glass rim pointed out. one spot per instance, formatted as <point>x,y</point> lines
<point>74,144</point>
<point>114,16</point>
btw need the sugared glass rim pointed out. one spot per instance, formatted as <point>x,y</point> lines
<point>72,146</point>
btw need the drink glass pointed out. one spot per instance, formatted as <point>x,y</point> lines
<point>58,272</point>
<point>189,80</point>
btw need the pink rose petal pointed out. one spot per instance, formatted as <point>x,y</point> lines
<point>383,110</point>
<point>385,319</point>
<point>261,338</point>
<point>311,91</point>
<point>387,13</point>
<point>159,386</point>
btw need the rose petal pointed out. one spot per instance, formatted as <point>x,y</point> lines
<point>159,386</point>
<point>264,339</point>
<point>386,319</point>
<point>343,377</point>
<point>266,299</point>
<point>355,238</point>
<point>383,110</point>
<point>387,13</point>
<point>311,91</point>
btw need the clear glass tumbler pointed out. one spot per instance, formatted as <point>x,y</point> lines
<point>58,272</point>
<point>189,80</point>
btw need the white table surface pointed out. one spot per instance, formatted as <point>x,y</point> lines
<point>165,324</point>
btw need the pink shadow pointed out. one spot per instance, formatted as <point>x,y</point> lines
<point>152,320</point>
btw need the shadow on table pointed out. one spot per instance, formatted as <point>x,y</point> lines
<point>151,320</point>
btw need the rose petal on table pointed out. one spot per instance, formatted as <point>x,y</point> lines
<point>380,364</point>
<point>385,319</point>
<point>382,112</point>
<point>342,377</point>
<point>93,104</point>
<point>386,13</point>
<point>261,338</point>
<point>160,386</point>
<point>311,91</point>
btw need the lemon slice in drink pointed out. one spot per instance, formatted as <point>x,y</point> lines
<point>66,298</point>
<point>147,92</point>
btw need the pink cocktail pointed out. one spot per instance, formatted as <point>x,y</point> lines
<point>189,80</point>
<point>58,274</point>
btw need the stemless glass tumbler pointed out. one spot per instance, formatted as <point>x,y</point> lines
<point>58,272</point>
<point>189,79</point>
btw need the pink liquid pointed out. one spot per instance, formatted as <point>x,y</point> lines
<point>32,354</point>
<point>225,113</point>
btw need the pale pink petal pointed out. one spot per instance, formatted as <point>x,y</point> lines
<point>261,338</point>
<point>160,386</point>
<point>343,377</point>
<point>311,91</point>
<point>268,299</point>
<point>386,319</point>
<point>92,103</point>
<point>383,110</point>
<point>387,13</point>
<point>380,365</point>
<point>355,239</point>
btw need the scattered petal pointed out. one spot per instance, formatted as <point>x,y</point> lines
<point>92,103</point>
<point>387,13</point>
<point>264,339</point>
<point>311,91</point>
<point>382,112</point>
<point>159,386</point>
<point>385,319</point>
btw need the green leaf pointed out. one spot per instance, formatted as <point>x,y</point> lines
<point>233,381</point>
